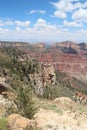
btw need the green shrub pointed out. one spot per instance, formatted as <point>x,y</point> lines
<point>51,92</point>
<point>24,101</point>
<point>59,90</point>
<point>3,124</point>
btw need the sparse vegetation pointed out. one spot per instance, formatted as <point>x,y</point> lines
<point>53,107</point>
<point>3,124</point>
<point>51,92</point>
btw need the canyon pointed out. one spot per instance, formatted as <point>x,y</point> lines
<point>55,74</point>
<point>69,57</point>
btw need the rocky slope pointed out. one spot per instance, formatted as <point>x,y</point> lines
<point>60,114</point>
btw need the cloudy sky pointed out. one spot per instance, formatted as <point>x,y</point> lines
<point>43,20</point>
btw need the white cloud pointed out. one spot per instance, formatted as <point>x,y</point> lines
<point>21,23</point>
<point>6,23</point>
<point>43,31</point>
<point>82,31</point>
<point>18,28</point>
<point>65,6</point>
<point>1,23</point>
<point>52,34</point>
<point>37,11</point>
<point>41,23</point>
<point>60,14</point>
<point>62,5</point>
<point>80,15</point>
<point>72,24</point>
<point>9,23</point>
<point>3,31</point>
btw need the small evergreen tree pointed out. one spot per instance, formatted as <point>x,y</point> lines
<point>25,104</point>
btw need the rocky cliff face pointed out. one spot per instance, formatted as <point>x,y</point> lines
<point>44,78</point>
<point>68,44</point>
<point>12,44</point>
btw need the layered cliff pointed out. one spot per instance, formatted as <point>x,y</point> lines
<point>69,57</point>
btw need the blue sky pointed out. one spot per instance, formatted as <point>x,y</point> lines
<point>43,20</point>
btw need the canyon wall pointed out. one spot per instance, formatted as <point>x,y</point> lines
<point>68,57</point>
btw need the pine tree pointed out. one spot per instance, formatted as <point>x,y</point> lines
<point>24,101</point>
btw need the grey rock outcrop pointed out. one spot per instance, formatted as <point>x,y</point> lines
<point>44,78</point>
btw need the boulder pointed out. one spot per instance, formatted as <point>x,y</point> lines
<point>63,100</point>
<point>17,122</point>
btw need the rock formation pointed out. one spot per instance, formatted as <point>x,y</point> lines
<point>44,78</point>
<point>17,122</point>
<point>81,98</point>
